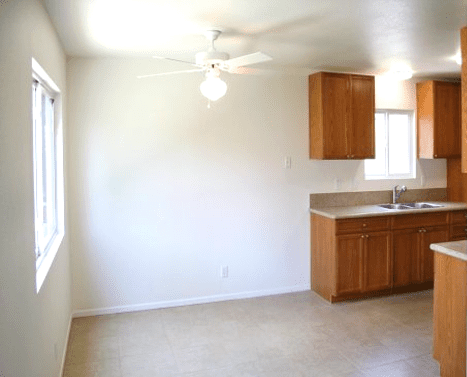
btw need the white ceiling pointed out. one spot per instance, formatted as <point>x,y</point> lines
<point>366,36</point>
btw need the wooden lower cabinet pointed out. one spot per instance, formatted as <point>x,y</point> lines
<point>413,258</point>
<point>363,262</point>
<point>406,257</point>
<point>458,226</point>
<point>377,266</point>
<point>429,236</point>
<point>354,258</point>
<point>349,264</point>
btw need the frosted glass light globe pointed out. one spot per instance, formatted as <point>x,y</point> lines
<point>213,88</point>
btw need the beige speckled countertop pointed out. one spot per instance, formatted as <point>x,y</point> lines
<point>456,249</point>
<point>374,210</point>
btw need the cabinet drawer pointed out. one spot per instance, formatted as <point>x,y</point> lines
<point>364,224</point>
<point>420,221</point>
<point>457,231</point>
<point>458,217</point>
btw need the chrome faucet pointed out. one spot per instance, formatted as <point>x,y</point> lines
<point>397,193</point>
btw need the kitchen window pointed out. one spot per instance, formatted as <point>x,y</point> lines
<point>394,146</point>
<point>48,170</point>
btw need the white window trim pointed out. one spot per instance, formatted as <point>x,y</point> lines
<point>412,161</point>
<point>44,263</point>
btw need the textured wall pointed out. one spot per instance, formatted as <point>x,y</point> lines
<point>165,191</point>
<point>33,327</point>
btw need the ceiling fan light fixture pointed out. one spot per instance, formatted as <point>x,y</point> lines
<point>213,88</point>
<point>401,72</point>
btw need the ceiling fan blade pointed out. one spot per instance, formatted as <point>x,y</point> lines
<point>257,57</point>
<point>170,73</point>
<point>250,71</point>
<point>176,60</point>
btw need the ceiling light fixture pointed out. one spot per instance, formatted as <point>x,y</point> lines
<point>213,87</point>
<point>401,72</point>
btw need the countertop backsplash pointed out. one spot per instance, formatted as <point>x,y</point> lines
<point>344,199</point>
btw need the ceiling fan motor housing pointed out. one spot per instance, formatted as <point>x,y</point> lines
<point>211,57</point>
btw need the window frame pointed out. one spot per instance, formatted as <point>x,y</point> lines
<point>46,248</point>
<point>412,146</point>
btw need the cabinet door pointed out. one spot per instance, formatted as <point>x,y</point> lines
<point>361,128</point>
<point>349,268</point>
<point>429,236</point>
<point>335,94</point>
<point>447,120</point>
<point>377,273</point>
<point>406,266</point>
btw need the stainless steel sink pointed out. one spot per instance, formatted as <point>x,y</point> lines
<point>394,206</point>
<point>422,205</point>
<point>401,206</point>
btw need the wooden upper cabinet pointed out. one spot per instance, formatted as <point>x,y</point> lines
<point>342,108</point>
<point>438,119</point>
<point>362,110</point>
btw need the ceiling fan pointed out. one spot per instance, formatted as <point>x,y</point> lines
<point>211,63</point>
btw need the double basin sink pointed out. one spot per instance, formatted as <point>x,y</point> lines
<point>402,206</point>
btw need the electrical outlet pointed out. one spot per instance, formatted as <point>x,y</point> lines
<point>224,271</point>
<point>288,162</point>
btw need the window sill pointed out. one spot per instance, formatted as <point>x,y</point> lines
<point>384,178</point>
<point>45,264</point>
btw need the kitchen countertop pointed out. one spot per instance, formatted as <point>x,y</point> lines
<point>374,210</point>
<point>456,249</point>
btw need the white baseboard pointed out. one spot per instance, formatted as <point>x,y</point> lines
<point>66,345</point>
<point>190,301</point>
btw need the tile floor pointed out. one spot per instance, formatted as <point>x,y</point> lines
<point>296,334</point>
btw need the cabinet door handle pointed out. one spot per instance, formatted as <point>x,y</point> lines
<point>367,236</point>
<point>363,236</point>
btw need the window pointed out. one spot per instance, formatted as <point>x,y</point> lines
<point>394,146</point>
<point>48,170</point>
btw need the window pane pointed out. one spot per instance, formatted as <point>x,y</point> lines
<point>394,147</point>
<point>399,144</point>
<point>44,165</point>
<point>377,166</point>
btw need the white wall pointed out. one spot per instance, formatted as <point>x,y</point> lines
<point>164,191</point>
<point>31,324</point>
